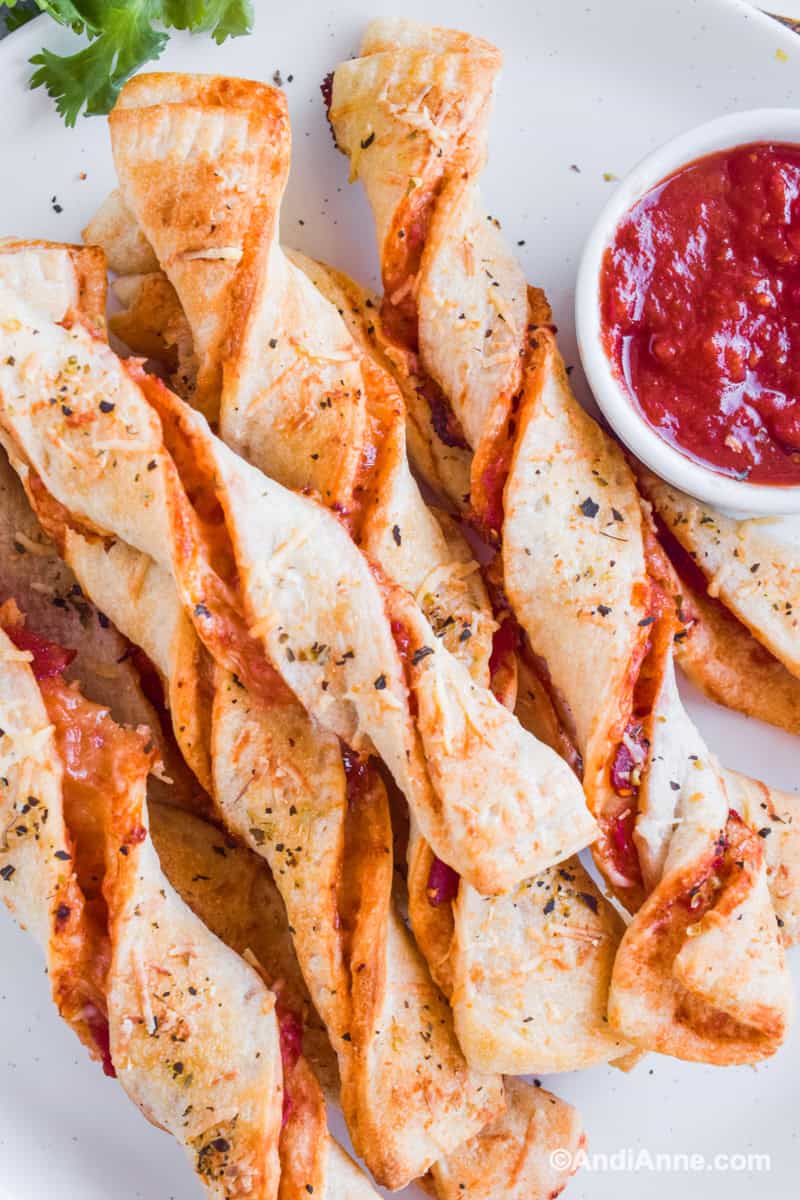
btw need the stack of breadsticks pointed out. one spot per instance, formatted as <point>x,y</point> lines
<point>381,756</point>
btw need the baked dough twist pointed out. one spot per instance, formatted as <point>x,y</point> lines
<point>513,1153</point>
<point>498,960</point>
<point>165,546</point>
<point>188,1028</point>
<point>465,334</point>
<point>744,576</point>
<point>511,1159</point>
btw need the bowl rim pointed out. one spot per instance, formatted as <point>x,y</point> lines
<point>737,497</point>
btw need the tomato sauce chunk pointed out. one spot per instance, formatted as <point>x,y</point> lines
<point>443,884</point>
<point>49,659</point>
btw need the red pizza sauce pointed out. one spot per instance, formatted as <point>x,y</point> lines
<point>700,309</point>
<point>49,659</point>
<point>443,883</point>
<point>290,1032</point>
<point>101,1033</point>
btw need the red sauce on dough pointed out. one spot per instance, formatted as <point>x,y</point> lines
<point>402,641</point>
<point>631,753</point>
<point>103,762</point>
<point>736,848</point>
<point>403,251</point>
<point>442,880</point>
<point>624,853</point>
<point>402,638</point>
<point>98,1027</point>
<point>446,424</point>
<point>100,759</point>
<point>290,1032</point>
<point>443,884</point>
<point>700,301</point>
<point>644,676</point>
<point>505,642</point>
<point>402,260</point>
<point>356,770</point>
<point>488,500</point>
<point>49,659</point>
<point>493,483</point>
<point>205,552</point>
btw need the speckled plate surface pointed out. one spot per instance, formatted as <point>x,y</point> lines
<point>589,87</point>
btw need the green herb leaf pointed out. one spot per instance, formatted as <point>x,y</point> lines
<point>93,77</point>
<point>124,34</point>
<point>221,18</point>
<point>14,15</point>
<point>66,13</point>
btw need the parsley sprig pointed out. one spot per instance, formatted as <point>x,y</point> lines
<point>123,35</point>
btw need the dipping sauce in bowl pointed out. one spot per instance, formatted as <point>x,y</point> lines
<point>700,310</point>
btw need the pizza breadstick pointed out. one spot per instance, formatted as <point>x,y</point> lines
<point>549,486</point>
<point>390,521</point>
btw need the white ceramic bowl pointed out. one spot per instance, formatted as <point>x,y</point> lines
<point>734,496</point>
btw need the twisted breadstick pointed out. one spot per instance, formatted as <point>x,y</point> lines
<point>457,323</point>
<point>511,1159</point>
<point>753,568</point>
<point>133,971</point>
<point>493,958</point>
<point>527,974</point>
<point>98,954</point>
<point>235,899</point>
<point>105,575</point>
<point>288,367</point>
<point>189,1028</point>
<point>382,1059</point>
<point>496,960</point>
<point>716,650</point>
<point>389,519</point>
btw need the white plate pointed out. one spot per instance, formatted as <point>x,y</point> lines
<point>594,83</point>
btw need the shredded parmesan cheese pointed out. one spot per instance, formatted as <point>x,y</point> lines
<point>277,567</point>
<point>214,254</point>
<point>593,936</point>
<point>457,572</point>
<point>140,977</point>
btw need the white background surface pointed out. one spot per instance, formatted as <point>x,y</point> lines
<point>595,83</point>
